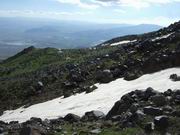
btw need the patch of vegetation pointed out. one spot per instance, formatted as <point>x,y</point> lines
<point>69,129</point>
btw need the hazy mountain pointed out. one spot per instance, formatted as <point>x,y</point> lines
<point>19,33</point>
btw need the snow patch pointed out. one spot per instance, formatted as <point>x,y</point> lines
<point>102,99</point>
<point>123,42</point>
<point>162,37</point>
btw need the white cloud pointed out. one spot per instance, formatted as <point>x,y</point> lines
<point>80,4</point>
<point>31,13</point>
<point>102,3</point>
<point>139,3</point>
<point>119,11</point>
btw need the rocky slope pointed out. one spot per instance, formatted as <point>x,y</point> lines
<point>37,75</point>
<point>139,112</point>
<point>101,99</point>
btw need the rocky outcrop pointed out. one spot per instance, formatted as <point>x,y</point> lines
<point>158,107</point>
<point>149,110</point>
<point>175,77</point>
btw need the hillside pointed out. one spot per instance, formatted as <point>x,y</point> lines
<point>39,75</point>
<point>78,69</point>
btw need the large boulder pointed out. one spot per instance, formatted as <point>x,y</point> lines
<point>33,130</point>
<point>72,118</point>
<point>93,115</point>
<point>104,76</point>
<point>176,96</point>
<point>122,105</point>
<point>131,76</point>
<point>149,92</point>
<point>118,108</point>
<point>149,110</point>
<point>75,76</point>
<point>1,130</point>
<point>161,122</point>
<point>36,120</point>
<point>159,100</point>
<point>175,77</point>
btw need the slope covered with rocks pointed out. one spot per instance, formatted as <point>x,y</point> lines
<point>139,112</point>
<point>38,75</point>
<point>101,99</point>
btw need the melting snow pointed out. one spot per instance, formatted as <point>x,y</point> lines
<point>103,98</point>
<point>162,37</point>
<point>123,42</point>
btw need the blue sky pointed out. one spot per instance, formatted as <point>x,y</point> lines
<point>162,12</point>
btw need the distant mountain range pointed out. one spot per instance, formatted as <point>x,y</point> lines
<point>19,33</point>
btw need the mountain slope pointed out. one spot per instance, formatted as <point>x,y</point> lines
<point>102,99</point>
<point>38,75</point>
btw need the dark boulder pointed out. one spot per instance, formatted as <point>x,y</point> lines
<point>139,116</point>
<point>58,121</point>
<point>161,122</point>
<point>37,120</point>
<point>119,107</point>
<point>71,118</point>
<point>149,92</point>
<point>90,89</point>
<point>93,115</point>
<point>134,108</point>
<point>176,113</point>
<point>167,110</point>
<point>127,119</point>
<point>159,100</point>
<point>1,130</point>
<point>176,97</point>
<point>116,73</point>
<point>131,76</point>
<point>13,122</point>
<point>175,77</point>
<point>169,92</point>
<point>33,130</point>
<point>149,110</point>
<point>104,76</point>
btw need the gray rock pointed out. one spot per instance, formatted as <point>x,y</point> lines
<point>161,122</point>
<point>104,76</point>
<point>93,115</point>
<point>175,77</point>
<point>149,92</point>
<point>134,108</point>
<point>149,110</point>
<point>71,118</point>
<point>33,130</point>
<point>159,100</point>
<point>95,131</point>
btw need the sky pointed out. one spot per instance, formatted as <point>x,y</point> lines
<point>161,12</point>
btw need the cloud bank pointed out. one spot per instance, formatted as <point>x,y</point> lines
<point>94,4</point>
